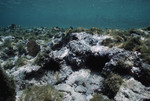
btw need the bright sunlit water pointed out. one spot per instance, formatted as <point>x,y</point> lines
<point>76,13</point>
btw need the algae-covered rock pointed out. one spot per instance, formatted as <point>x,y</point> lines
<point>20,61</point>
<point>112,84</point>
<point>99,97</point>
<point>94,30</point>
<point>108,42</point>
<point>41,93</point>
<point>7,87</point>
<point>145,51</point>
<point>132,43</point>
<point>124,66</point>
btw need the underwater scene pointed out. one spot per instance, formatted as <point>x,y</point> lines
<point>74,50</point>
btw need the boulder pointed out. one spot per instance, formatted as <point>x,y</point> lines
<point>132,90</point>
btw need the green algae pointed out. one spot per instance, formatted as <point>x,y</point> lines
<point>132,43</point>
<point>132,40</point>
<point>112,84</point>
<point>99,97</point>
<point>41,93</point>
<point>21,61</point>
<point>93,30</point>
<point>108,42</point>
<point>123,67</point>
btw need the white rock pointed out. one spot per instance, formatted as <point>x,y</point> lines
<point>80,76</point>
<point>132,90</point>
<point>81,89</point>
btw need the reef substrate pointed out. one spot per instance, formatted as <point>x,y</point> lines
<point>74,64</point>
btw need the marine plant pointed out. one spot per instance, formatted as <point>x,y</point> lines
<point>132,43</point>
<point>145,51</point>
<point>108,42</point>
<point>99,97</point>
<point>41,93</point>
<point>33,48</point>
<point>80,29</point>
<point>112,84</point>
<point>94,30</point>
<point>21,61</point>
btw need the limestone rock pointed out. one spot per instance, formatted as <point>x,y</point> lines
<point>132,90</point>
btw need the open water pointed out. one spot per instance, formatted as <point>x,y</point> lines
<point>76,13</point>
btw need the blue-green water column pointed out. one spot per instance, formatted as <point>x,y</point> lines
<point>76,13</point>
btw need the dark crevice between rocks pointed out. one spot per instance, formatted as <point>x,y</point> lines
<point>74,65</point>
<point>58,46</point>
<point>146,100</point>
<point>144,75</point>
<point>35,74</point>
<point>122,71</point>
<point>96,63</point>
<point>52,65</point>
<point>62,43</point>
<point>144,79</point>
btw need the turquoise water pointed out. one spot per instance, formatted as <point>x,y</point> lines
<point>76,13</point>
